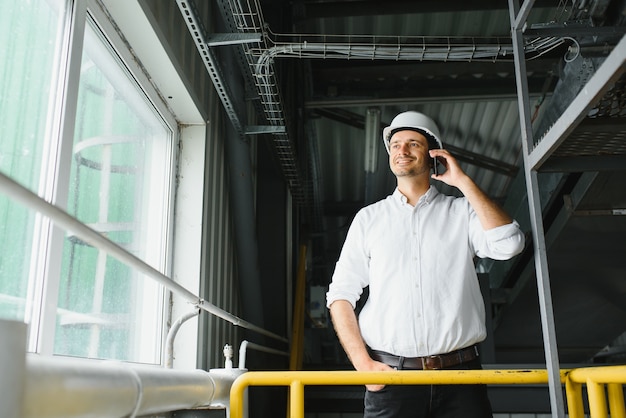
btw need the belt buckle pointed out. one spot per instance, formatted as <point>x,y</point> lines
<point>431,363</point>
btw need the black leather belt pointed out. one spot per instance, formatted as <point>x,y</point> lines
<point>436,362</point>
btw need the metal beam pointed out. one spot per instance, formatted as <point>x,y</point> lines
<point>584,163</point>
<point>579,29</point>
<point>220,39</point>
<point>532,185</point>
<point>598,84</point>
<point>264,129</point>
<point>196,29</point>
<point>522,16</point>
<point>316,9</point>
<point>373,101</point>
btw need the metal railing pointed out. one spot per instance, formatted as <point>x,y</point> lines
<point>597,379</point>
<point>594,378</point>
<point>64,220</point>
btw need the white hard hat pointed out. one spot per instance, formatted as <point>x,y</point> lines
<point>414,121</point>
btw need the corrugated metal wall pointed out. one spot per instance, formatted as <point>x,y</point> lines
<point>218,283</point>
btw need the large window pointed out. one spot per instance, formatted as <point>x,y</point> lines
<point>30,35</point>
<point>116,179</point>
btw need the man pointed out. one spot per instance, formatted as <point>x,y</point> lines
<point>415,251</point>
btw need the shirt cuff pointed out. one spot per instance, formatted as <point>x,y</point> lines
<point>502,232</point>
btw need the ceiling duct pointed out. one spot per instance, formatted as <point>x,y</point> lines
<point>261,47</point>
<point>401,48</point>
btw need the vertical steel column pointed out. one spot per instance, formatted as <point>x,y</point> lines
<point>518,21</point>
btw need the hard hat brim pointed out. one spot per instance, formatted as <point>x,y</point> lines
<point>433,139</point>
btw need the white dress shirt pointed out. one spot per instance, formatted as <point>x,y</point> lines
<point>424,295</point>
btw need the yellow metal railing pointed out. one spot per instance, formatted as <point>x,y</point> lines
<point>297,380</point>
<point>594,377</point>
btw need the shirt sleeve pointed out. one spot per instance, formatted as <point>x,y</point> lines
<point>351,273</point>
<point>500,243</point>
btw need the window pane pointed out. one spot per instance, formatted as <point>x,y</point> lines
<point>119,185</point>
<point>30,35</point>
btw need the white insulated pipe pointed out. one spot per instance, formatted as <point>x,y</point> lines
<point>171,335</point>
<point>60,387</point>
<point>12,367</point>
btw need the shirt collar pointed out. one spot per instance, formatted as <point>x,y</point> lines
<point>426,198</point>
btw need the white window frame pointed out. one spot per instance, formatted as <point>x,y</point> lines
<point>43,324</point>
<point>131,19</point>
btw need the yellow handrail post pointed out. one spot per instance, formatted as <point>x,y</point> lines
<point>616,400</point>
<point>236,396</point>
<point>597,400</point>
<point>296,397</point>
<point>595,378</point>
<point>574,396</point>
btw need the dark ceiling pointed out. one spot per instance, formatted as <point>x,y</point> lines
<point>323,71</point>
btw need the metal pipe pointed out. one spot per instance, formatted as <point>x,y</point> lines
<point>62,387</point>
<point>90,236</point>
<point>69,387</point>
<point>243,348</point>
<point>221,396</point>
<point>171,336</point>
<point>66,221</point>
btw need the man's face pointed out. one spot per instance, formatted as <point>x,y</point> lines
<point>408,154</point>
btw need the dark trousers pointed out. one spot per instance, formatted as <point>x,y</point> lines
<point>432,401</point>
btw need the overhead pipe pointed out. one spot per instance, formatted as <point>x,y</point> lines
<point>429,49</point>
